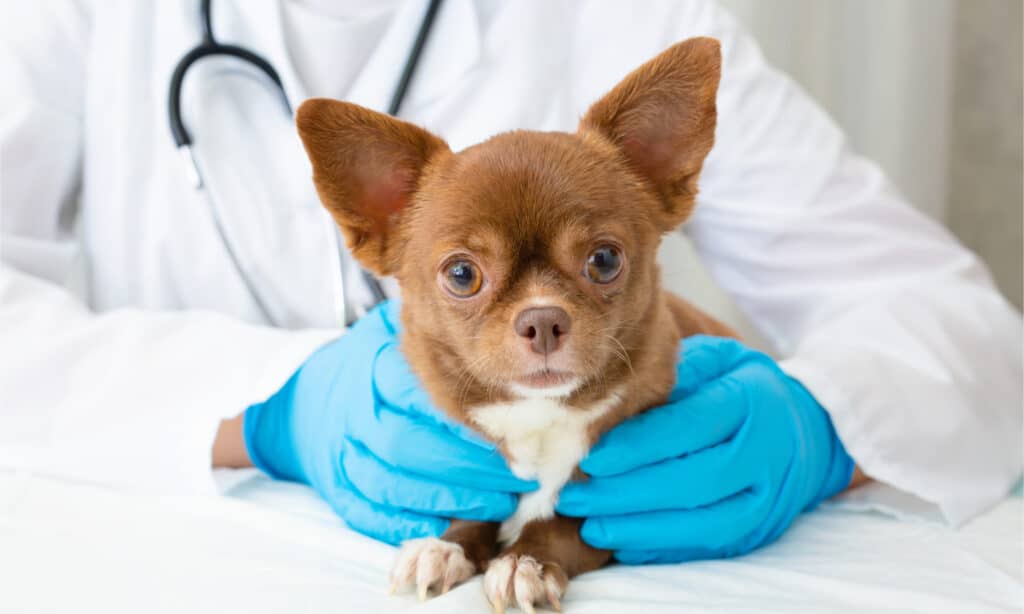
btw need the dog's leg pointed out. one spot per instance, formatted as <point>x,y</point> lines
<point>537,567</point>
<point>462,552</point>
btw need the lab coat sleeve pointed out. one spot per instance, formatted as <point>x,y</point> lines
<point>126,398</point>
<point>893,326</point>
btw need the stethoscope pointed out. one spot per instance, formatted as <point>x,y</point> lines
<point>209,46</point>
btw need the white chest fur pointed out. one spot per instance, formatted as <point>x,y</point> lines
<point>546,441</point>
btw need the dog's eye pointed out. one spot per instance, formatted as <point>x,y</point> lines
<point>463,278</point>
<point>604,265</point>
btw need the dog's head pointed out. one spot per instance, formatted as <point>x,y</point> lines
<point>526,262</point>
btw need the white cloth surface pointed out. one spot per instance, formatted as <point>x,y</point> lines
<point>275,547</point>
<point>889,322</point>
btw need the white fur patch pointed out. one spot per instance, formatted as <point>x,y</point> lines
<point>546,440</point>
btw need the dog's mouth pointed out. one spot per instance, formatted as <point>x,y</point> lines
<point>545,378</point>
<point>545,383</point>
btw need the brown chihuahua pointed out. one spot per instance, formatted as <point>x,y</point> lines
<point>532,306</point>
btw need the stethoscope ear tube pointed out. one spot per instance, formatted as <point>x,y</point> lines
<point>179,133</point>
<point>414,57</point>
<point>208,46</point>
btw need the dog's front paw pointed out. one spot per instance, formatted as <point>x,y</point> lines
<point>524,581</point>
<point>430,562</point>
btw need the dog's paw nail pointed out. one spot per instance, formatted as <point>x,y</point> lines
<point>498,582</point>
<point>556,605</point>
<point>555,582</point>
<point>453,575</point>
<point>428,563</point>
<point>528,583</point>
<point>524,581</point>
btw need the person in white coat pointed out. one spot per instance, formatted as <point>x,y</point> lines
<point>139,316</point>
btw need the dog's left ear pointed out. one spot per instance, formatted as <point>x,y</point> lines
<point>662,117</point>
<point>366,167</point>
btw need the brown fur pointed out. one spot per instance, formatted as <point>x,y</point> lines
<point>528,208</point>
<point>479,540</point>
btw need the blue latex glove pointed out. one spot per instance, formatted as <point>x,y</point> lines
<point>355,424</point>
<point>724,468</point>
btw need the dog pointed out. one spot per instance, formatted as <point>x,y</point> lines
<point>531,299</point>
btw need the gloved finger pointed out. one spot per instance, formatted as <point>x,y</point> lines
<point>689,482</point>
<point>380,522</point>
<point>391,487</point>
<point>421,447</point>
<point>396,386</point>
<point>378,323</point>
<point>708,417</point>
<point>704,359</point>
<point>715,528</point>
<point>390,314</point>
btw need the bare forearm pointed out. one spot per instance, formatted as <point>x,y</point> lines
<point>229,445</point>
<point>859,477</point>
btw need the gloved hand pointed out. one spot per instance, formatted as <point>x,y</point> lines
<point>354,423</point>
<point>723,468</point>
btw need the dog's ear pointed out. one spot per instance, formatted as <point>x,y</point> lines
<point>662,117</point>
<point>366,167</point>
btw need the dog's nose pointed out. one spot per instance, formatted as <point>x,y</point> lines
<point>544,327</point>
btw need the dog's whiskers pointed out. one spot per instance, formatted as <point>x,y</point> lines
<point>621,352</point>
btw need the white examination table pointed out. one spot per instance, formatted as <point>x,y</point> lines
<point>274,547</point>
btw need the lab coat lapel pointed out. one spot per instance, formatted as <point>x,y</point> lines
<point>257,174</point>
<point>274,219</point>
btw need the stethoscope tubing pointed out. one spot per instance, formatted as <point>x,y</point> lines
<point>209,46</point>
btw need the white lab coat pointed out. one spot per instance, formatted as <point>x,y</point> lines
<point>127,334</point>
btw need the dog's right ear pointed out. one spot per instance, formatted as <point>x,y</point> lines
<point>366,167</point>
